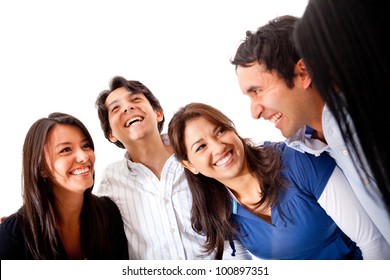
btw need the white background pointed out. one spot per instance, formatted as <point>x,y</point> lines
<point>58,56</point>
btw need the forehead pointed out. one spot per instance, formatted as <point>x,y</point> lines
<point>253,69</point>
<point>117,94</point>
<point>254,76</point>
<point>250,74</point>
<point>63,133</point>
<point>197,125</point>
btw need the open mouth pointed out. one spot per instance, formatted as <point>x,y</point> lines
<point>275,118</point>
<point>224,160</point>
<point>133,121</point>
<point>81,171</point>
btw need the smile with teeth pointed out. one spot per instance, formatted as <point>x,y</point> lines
<point>224,160</point>
<point>134,120</point>
<point>80,171</point>
<point>275,118</point>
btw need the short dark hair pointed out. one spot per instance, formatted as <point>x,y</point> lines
<point>133,87</point>
<point>273,46</point>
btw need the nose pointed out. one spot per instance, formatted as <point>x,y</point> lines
<point>218,147</point>
<point>81,155</point>
<point>128,107</point>
<point>256,110</point>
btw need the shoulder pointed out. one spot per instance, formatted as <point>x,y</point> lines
<point>116,164</point>
<point>12,224</point>
<point>12,238</point>
<point>105,202</point>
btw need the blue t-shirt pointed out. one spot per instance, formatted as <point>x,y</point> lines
<point>300,227</point>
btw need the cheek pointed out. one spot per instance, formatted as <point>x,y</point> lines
<point>92,157</point>
<point>202,164</point>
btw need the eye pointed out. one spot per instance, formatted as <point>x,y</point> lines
<point>200,147</point>
<point>137,97</point>
<point>220,132</point>
<point>114,109</point>
<point>87,146</point>
<point>257,91</point>
<point>65,150</point>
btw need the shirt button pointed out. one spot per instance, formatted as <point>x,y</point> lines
<point>179,258</point>
<point>172,230</point>
<point>345,152</point>
<point>166,200</point>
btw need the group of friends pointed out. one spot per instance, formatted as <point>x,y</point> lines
<point>203,191</point>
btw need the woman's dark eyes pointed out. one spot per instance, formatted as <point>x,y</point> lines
<point>87,146</point>
<point>200,147</point>
<point>65,150</point>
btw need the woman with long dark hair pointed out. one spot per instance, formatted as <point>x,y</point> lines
<point>60,217</point>
<point>280,203</point>
<point>347,55</point>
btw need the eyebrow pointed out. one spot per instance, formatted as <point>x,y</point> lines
<point>216,127</point>
<point>67,143</point>
<point>59,145</point>
<point>129,95</point>
<point>251,89</point>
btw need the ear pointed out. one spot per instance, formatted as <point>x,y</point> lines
<point>189,166</point>
<point>160,116</point>
<point>43,174</point>
<point>112,138</point>
<point>300,69</point>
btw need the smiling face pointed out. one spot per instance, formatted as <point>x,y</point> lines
<point>131,116</point>
<point>213,151</point>
<point>273,100</point>
<point>70,159</point>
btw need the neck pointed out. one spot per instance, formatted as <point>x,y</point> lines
<point>315,110</point>
<point>152,153</point>
<point>246,190</point>
<point>68,228</point>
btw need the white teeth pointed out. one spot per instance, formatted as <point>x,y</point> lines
<point>133,120</point>
<point>80,171</point>
<point>224,160</point>
<point>275,118</point>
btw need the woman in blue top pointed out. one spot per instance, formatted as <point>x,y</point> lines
<point>271,197</point>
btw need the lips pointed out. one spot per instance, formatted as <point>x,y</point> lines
<point>81,171</point>
<point>133,120</point>
<point>275,118</point>
<point>222,161</point>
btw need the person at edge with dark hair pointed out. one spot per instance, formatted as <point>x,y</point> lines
<point>273,75</point>
<point>272,198</point>
<point>343,46</point>
<point>60,217</point>
<point>149,184</point>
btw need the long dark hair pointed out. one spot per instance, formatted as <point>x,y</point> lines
<point>38,210</point>
<point>344,48</point>
<point>212,205</point>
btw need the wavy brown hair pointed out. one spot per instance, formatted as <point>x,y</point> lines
<point>212,206</point>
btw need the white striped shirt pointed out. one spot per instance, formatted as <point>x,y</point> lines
<point>156,213</point>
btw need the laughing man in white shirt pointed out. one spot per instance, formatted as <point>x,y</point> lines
<point>149,184</point>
